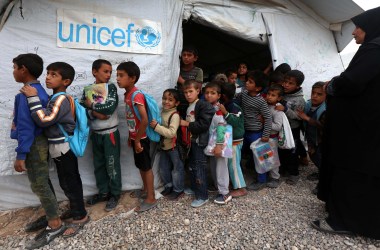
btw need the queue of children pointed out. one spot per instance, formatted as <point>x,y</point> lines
<point>248,101</point>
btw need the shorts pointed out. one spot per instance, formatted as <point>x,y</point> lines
<point>142,159</point>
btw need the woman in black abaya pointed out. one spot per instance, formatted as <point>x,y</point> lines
<point>350,172</point>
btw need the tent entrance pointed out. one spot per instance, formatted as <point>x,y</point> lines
<point>219,51</point>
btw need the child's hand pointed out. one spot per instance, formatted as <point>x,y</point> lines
<point>218,150</point>
<point>153,123</point>
<point>19,165</point>
<point>279,107</point>
<point>88,103</point>
<point>138,148</point>
<point>302,115</point>
<point>222,109</point>
<point>180,79</point>
<point>184,123</point>
<point>264,139</point>
<point>28,91</point>
<point>99,115</point>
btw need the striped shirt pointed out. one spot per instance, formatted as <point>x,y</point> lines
<point>253,107</point>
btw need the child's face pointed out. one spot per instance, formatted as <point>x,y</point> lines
<point>232,78</point>
<point>273,97</point>
<point>124,80</point>
<point>242,70</point>
<point>103,74</point>
<point>191,94</point>
<point>318,96</point>
<point>188,58</point>
<point>54,81</point>
<point>250,86</point>
<point>168,101</point>
<point>211,95</point>
<point>17,73</point>
<point>290,84</point>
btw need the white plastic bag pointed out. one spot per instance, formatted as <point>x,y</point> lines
<point>265,155</point>
<point>285,136</point>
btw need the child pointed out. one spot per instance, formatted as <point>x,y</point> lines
<point>188,71</point>
<point>218,164</point>
<point>105,136</point>
<point>171,166</point>
<point>32,149</point>
<point>198,121</point>
<point>255,108</point>
<point>294,101</point>
<point>314,117</point>
<point>242,70</point>
<point>234,116</point>
<point>59,111</point>
<point>232,78</point>
<point>128,73</point>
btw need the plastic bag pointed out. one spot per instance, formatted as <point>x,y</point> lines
<point>227,145</point>
<point>265,155</point>
<point>285,136</point>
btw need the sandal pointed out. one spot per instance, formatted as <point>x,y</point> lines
<point>76,227</point>
<point>323,226</point>
<point>138,194</point>
<point>144,206</point>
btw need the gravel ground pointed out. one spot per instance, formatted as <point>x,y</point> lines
<point>269,219</point>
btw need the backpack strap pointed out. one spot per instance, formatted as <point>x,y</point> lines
<point>72,106</point>
<point>174,139</point>
<point>136,111</point>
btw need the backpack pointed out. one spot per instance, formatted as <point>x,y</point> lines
<point>78,141</point>
<point>153,113</point>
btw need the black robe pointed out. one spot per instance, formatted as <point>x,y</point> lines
<point>350,171</point>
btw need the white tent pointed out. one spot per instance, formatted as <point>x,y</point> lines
<point>306,34</point>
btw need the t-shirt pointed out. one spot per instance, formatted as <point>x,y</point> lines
<point>133,122</point>
<point>190,114</point>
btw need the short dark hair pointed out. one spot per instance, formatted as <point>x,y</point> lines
<point>298,75</point>
<point>131,68</point>
<point>216,85</point>
<point>32,62</point>
<point>174,93</point>
<point>283,68</point>
<point>192,83</point>
<point>65,70</point>
<point>276,77</point>
<point>229,90</point>
<point>190,48</point>
<point>230,72</point>
<point>277,87</point>
<point>260,78</point>
<point>99,62</point>
<point>318,85</point>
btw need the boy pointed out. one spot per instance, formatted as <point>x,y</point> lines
<point>242,70</point>
<point>255,108</point>
<point>188,71</point>
<point>128,73</point>
<point>32,150</point>
<point>218,163</point>
<point>234,116</point>
<point>198,120</point>
<point>294,101</point>
<point>105,136</point>
<point>59,110</point>
<point>314,117</point>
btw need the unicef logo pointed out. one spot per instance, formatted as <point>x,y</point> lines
<point>148,37</point>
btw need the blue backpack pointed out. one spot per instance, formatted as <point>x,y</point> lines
<point>78,141</point>
<point>153,113</point>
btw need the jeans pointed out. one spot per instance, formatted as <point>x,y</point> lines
<point>198,166</point>
<point>172,171</point>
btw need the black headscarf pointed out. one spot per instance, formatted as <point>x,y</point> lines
<point>369,21</point>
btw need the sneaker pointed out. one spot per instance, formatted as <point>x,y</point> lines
<point>313,176</point>
<point>167,191</point>
<point>112,203</point>
<point>189,191</point>
<point>198,202</point>
<point>223,199</point>
<point>175,195</point>
<point>36,225</point>
<point>45,237</point>
<point>98,198</point>
<point>274,183</point>
<point>292,180</point>
<point>257,186</point>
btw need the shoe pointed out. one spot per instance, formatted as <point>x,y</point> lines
<point>274,183</point>
<point>45,237</point>
<point>198,202</point>
<point>36,225</point>
<point>257,186</point>
<point>304,161</point>
<point>167,191</point>
<point>112,203</point>
<point>98,198</point>
<point>292,180</point>
<point>189,191</point>
<point>175,195</point>
<point>223,199</point>
<point>240,192</point>
<point>313,176</point>
<point>323,226</point>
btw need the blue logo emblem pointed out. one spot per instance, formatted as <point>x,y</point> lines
<point>148,37</point>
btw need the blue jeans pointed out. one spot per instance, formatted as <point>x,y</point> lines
<point>197,167</point>
<point>172,170</point>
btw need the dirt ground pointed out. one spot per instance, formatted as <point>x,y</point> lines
<point>12,222</point>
